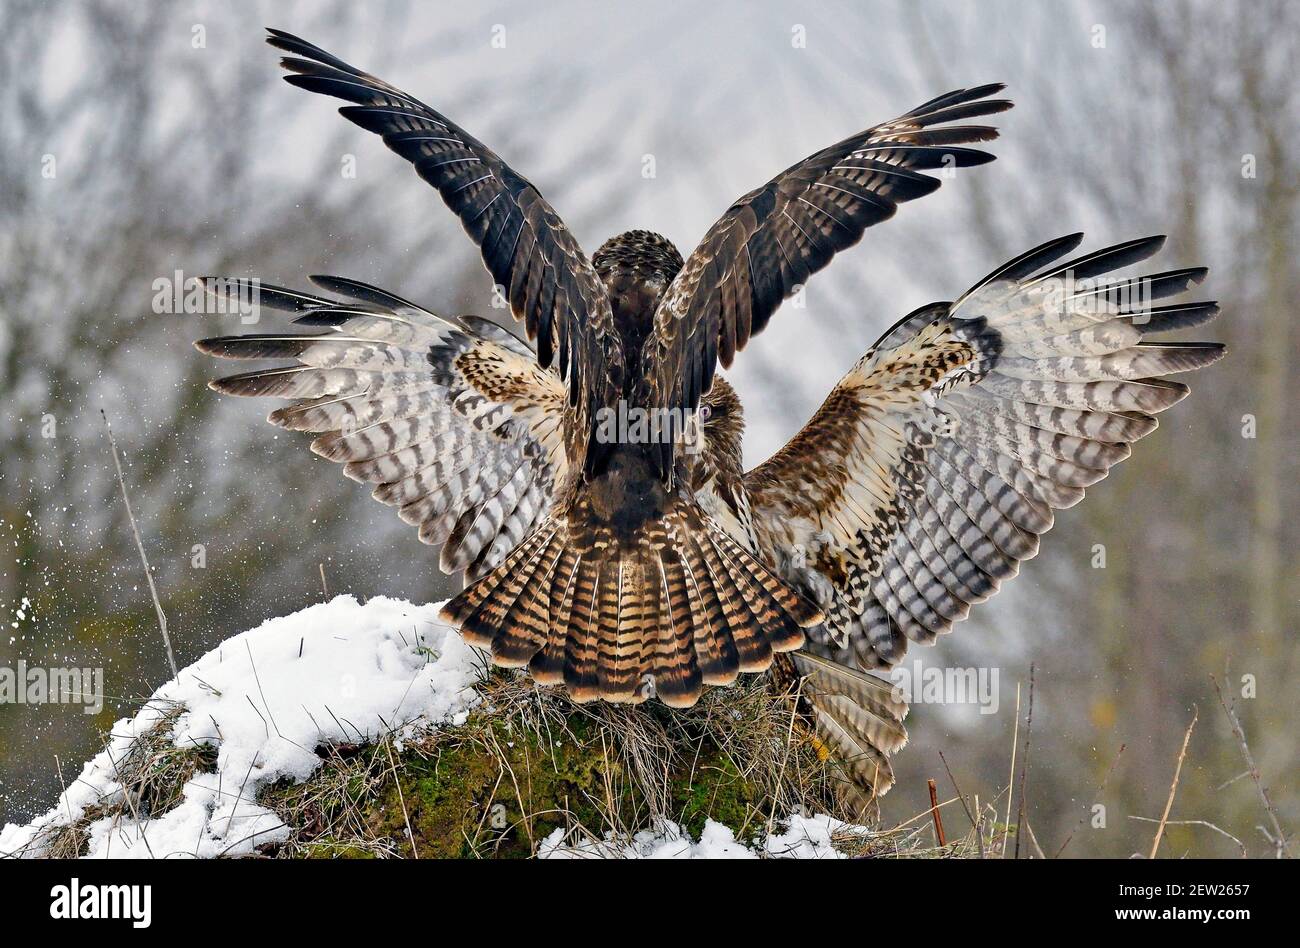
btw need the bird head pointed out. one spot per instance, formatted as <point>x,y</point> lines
<point>636,268</point>
<point>721,430</point>
<point>649,257</point>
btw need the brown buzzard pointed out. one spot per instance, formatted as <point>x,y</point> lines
<point>623,566</point>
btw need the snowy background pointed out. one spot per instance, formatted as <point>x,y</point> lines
<point>128,151</point>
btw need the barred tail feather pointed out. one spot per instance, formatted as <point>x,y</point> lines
<point>677,607</point>
<point>858,721</point>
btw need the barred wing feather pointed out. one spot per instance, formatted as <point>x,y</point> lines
<point>533,257</point>
<point>769,242</point>
<point>935,465</point>
<point>454,423</point>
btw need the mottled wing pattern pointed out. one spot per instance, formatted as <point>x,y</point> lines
<point>454,423</point>
<point>937,462</point>
<point>531,255</point>
<point>774,238</point>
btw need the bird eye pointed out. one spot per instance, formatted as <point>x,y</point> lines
<point>705,413</point>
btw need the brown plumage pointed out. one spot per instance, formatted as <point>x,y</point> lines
<point>600,561</point>
<point>628,560</point>
<point>934,466</point>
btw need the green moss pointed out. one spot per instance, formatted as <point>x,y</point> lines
<point>496,792</point>
<point>498,785</point>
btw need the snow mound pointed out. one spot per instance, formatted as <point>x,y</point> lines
<point>340,671</point>
<point>261,703</point>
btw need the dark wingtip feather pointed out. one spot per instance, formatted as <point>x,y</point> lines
<point>363,292</point>
<point>329,85</point>
<point>264,294</point>
<point>1026,263</point>
<point>1105,260</point>
<point>289,43</point>
<point>957,97</point>
<point>298,66</point>
<point>965,110</point>
<point>1175,316</point>
<point>230,385</point>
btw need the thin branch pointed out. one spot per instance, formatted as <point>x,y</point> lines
<point>1100,790</point>
<point>139,545</point>
<point>1253,770</point>
<point>1024,763</point>
<point>1033,838</point>
<point>1206,823</point>
<point>1173,787</point>
<point>975,825</point>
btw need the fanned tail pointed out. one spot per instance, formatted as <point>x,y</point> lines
<point>676,606</point>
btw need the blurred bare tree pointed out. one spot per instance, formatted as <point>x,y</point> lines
<point>1167,119</point>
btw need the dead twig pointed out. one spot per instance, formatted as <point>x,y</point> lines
<point>1100,790</point>
<point>139,545</point>
<point>1033,838</point>
<point>1206,823</point>
<point>1252,769</point>
<point>934,813</point>
<point>1173,787</point>
<point>975,824</point>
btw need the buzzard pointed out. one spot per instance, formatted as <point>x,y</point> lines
<point>629,561</point>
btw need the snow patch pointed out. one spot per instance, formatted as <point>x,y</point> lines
<point>340,671</point>
<point>803,838</point>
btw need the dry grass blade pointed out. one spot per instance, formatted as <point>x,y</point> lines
<point>1011,777</point>
<point>139,545</point>
<point>1024,763</point>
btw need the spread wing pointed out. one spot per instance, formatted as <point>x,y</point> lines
<point>548,280</point>
<point>455,424</point>
<point>774,238</point>
<point>935,465</point>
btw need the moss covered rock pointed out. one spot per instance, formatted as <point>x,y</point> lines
<point>529,762</point>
